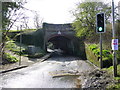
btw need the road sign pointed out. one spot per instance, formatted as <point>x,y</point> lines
<point>100,23</point>
<point>59,32</point>
<point>114,44</point>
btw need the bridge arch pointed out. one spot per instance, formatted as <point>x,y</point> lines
<point>62,42</point>
<point>57,35</point>
<point>63,36</point>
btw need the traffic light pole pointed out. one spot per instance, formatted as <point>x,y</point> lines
<point>114,37</point>
<point>101,63</point>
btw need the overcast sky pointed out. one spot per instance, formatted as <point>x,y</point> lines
<point>53,11</point>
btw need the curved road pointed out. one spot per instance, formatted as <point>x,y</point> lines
<point>56,72</point>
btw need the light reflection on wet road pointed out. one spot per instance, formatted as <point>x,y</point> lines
<point>39,74</point>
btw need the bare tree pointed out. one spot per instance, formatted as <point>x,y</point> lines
<point>11,12</point>
<point>25,22</point>
<point>37,21</point>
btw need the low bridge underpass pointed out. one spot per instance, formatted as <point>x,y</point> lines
<point>63,43</point>
<point>56,36</point>
<point>62,36</point>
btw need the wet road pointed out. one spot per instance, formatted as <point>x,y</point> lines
<point>56,72</point>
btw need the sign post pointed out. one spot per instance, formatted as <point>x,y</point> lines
<point>114,43</point>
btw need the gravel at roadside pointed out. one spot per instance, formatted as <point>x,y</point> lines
<point>98,80</point>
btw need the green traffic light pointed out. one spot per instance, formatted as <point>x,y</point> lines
<point>100,29</point>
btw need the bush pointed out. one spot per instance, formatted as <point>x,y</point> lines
<point>106,55</point>
<point>96,52</point>
<point>10,58</point>
<point>118,54</point>
<point>10,45</point>
<point>93,46</point>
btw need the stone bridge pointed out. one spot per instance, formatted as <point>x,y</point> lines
<point>61,36</point>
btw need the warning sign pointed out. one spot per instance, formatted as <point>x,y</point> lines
<point>114,44</point>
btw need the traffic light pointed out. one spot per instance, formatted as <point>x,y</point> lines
<point>100,21</point>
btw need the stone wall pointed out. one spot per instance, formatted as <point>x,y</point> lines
<point>91,56</point>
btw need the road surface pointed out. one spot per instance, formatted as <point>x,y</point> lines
<point>56,72</point>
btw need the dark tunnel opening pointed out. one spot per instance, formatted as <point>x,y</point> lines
<point>60,44</point>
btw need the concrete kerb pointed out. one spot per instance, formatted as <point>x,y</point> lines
<point>24,66</point>
<point>45,57</point>
<point>20,67</point>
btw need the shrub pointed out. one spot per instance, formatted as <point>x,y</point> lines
<point>96,52</point>
<point>118,54</point>
<point>10,45</point>
<point>93,46</point>
<point>106,55</point>
<point>10,58</point>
